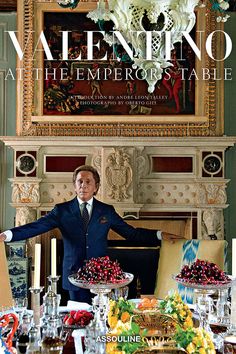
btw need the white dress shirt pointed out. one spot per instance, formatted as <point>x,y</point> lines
<point>89,205</point>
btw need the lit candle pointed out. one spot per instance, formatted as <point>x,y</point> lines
<point>37,262</point>
<point>53,257</point>
<point>234,257</point>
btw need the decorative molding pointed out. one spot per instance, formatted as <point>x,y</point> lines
<point>26,86</point>
<point>52,193</point>
<point>212,193</point>
<point>217,143</point>
<point>3,49</point>
<point>24,215</point>
<point>25,192</point>
<point>142,162</point>
<point>97,161</point>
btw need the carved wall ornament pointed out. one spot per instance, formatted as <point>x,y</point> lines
<point>142,164</point>
<point>212,193</point>
<point>25,193</point>
<point>24,215</point>
<point>97,161</point>
<point>118,174</point>
<point>212,224</point>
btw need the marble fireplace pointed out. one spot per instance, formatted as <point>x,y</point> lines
<point>174,184</point>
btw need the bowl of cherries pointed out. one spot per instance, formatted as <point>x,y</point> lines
<point>203,274</point>
<point>101,273</point>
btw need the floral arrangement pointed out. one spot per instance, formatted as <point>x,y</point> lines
<point>123,345</point>
<point>119,312</point>
<point>121,325</point>
<point>194,341</point>
<point>174,306</point>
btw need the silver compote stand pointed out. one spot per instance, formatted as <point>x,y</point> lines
<point>204,303</point>
<point>97,329</point>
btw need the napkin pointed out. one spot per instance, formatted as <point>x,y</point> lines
<point>74,305</point>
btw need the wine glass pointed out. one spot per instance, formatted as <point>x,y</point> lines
<point>20,305</point>
<point>119,292</point>
<point>223,307</point>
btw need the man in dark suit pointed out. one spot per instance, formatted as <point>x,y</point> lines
<point>84,223</point>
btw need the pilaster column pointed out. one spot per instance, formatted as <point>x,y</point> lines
<point>26,200</point>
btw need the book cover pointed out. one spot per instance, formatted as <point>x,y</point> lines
<point>75,77</point>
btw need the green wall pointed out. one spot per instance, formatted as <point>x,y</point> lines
<point>7,119</point>
<point>230,129</point>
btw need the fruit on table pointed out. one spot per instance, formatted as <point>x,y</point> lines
<point>101,270</point>
<point>203,272</point>
<point>79,318</point>
<point>147,303</point>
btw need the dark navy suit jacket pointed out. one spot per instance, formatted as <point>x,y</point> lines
<point>67,217</point>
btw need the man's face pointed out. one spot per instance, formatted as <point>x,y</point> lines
<point>85,185</point>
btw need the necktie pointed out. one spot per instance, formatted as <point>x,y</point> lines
<point>85,216</point>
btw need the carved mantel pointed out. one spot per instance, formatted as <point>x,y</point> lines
<point>139,176</point>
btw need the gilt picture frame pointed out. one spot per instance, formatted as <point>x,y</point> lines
<point>205,119</point>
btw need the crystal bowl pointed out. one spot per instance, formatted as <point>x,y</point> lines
<point>73,278</point>
<point>219,286</point>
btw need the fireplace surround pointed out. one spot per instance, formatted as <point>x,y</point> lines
<point>174,184</point>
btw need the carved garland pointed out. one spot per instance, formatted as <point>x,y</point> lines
<point>27,128</point>
<point>28,83</point>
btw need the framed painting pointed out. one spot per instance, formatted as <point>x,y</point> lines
<point>69,99</point>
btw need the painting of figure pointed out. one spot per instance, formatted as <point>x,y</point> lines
<point>110,86</point>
